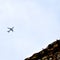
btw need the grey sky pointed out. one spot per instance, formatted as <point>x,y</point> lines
<point>36,22</point>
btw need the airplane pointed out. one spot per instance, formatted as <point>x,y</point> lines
<point>10,29</point>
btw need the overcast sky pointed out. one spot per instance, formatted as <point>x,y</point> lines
<point>36,24</point>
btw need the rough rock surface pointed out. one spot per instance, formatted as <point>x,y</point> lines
<point>51,52</point>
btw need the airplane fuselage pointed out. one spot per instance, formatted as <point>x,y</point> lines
<point>10,29</point>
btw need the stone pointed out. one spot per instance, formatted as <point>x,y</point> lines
<point>51,52</point>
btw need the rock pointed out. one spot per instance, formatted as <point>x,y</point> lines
<point>51,52</point>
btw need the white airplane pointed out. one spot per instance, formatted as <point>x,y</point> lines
<point>10,29</point>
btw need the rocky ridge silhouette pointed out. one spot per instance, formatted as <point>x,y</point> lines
<point>51,52</point>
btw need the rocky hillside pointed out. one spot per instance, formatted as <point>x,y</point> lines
<point>51,52</point>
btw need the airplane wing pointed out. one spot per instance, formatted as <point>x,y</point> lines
<point>8,31</point>
<point>12,27</point>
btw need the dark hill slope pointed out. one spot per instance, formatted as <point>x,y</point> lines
<point>51,52</point>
